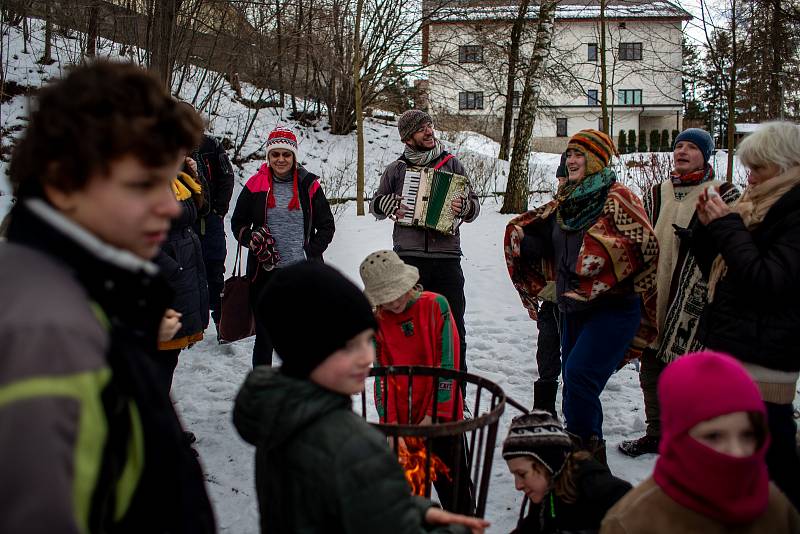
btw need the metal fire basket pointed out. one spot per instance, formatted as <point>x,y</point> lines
<point>484,399</point>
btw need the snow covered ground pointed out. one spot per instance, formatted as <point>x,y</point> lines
<point>501,347</point>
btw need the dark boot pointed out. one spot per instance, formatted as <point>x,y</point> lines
<point>544,396</point>
<point>637,447</point>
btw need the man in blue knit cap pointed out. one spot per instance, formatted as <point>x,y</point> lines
<point>681,295</point>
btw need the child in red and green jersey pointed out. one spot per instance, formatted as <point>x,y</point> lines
<point>415,327</point>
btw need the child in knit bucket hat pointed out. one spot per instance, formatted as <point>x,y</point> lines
<point>416,327</point>
<point>567,490</point>
<point>320,466</point>
<point>711,474</point>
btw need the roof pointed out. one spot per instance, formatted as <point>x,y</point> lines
<point>476,10</point>
<point>746,127</point>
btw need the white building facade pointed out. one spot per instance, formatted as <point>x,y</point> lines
<point>465,48</point>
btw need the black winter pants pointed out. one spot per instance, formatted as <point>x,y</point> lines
<point>444,276</point>
<point>782,460</point>
<point>262,349</point>
<point>166,362</point>
<point>548,345</point>
<point>453,452</point>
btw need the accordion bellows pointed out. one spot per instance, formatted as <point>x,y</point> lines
<point>428,194</point>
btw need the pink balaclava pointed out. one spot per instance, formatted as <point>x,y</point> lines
<point>698,387</point>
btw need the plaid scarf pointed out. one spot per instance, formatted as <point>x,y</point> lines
<point>693,178</point>
<point>580,203</point>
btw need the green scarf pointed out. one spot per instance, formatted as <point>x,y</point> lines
<point>580,203</point>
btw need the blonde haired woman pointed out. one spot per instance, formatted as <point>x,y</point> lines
<point>751,253</point>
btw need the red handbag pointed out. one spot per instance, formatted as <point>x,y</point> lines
<point>236,317</point>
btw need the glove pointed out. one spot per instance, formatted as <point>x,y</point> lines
<point>262,244</point>
<point>466,208</point>
<point>387,204</point>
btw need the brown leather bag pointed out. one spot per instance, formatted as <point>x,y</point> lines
<point>236,317</point>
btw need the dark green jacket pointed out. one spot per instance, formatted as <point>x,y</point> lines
<point>319,466</point>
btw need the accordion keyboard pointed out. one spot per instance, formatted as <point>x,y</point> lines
<point>409,196</point>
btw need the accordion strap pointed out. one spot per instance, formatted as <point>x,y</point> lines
<point>445,159</point>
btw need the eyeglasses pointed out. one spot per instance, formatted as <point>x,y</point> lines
<point>425,127</point>
<point>276,154</point>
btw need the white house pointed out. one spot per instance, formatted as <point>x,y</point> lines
<point>464,48</point>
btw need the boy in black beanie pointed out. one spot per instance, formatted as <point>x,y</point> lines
<point>319,466</point>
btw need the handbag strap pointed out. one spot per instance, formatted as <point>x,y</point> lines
<point>237,263</point>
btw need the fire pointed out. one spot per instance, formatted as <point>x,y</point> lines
<point>412,458</point>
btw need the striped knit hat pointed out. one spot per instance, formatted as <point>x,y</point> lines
<point>282,138</point>
<point>538,435</point>
<point>596,146</point>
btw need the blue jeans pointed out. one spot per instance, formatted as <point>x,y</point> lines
<point>593,343</point>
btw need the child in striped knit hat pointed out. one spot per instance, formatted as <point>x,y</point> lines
<point>605,277</point>
<point>568,491</point>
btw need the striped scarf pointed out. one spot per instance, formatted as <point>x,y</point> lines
<point>693,178</point>
<point>420,158</point>
<point>580,203</point>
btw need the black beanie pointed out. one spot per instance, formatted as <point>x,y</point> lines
<point>310,311</point>
<point>539,436</point>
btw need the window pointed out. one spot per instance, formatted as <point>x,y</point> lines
<point>470,54</point>
<point>591,52</point>
<point>630,51</point>
<point>470,100</point>
<point>629,97</point>
<point>561,127</point>
<point>517,99</point>
<point>593,98</point>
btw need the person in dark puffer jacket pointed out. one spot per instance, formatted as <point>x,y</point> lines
<point>181,263</point>
<point>282,217</point>
<point>751,253</point>
<point>319,466</point>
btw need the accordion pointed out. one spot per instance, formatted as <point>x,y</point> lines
<point>428,194</point>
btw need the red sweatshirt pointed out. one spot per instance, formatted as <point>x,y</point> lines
<point>424,334</point>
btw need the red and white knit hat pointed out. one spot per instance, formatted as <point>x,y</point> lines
<point>282,138</point>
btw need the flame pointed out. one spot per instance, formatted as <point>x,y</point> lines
<point>412,458</point>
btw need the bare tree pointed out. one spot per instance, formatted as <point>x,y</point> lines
<point>511,79</point>
<point>516,197</point>
<point>359,110</point>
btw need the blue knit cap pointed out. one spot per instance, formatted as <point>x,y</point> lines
<point>701,139</point>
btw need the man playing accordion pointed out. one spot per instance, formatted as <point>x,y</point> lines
<point>437,255</point>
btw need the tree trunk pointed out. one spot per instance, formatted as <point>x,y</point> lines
<point>359,110</point>
<point>513,58</point>
<point>47,56</point>
<point>91,33</point>
<point>732,96</point>
<point>516,197</point>
<point>165,16</point>
<point>603,68</point>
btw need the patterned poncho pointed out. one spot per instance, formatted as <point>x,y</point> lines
<point>619,246</point>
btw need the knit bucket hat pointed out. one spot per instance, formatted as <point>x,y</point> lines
<point>386,277</point>
<point>540,436</point>
<point>282,138</point>
<point>410,121</point>
<point>596,146</point>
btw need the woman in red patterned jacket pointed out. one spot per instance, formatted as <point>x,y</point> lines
<point>416,327</point>
<point>596,241</point>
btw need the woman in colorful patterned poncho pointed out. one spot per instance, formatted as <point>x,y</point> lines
<point>595,241</point>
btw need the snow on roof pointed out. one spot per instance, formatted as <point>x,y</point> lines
<point>746,127</point>
<point>467,10</point>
